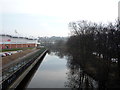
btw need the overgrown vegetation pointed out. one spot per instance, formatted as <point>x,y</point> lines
<point>100,39</point>
<point>96,48</point>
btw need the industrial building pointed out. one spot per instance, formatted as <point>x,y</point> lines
<point>9,42</point>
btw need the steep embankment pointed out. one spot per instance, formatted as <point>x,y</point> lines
<point>9,59</point>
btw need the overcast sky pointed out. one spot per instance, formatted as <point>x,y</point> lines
<point>51,17</point>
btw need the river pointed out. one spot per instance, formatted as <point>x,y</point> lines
<point>54,72</point>
<point>51,73</point>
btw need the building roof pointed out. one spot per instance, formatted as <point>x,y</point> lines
<point>29,38</point>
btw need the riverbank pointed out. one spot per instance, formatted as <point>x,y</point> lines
<point>106,73</point>
<point>16,56</point>
<point>15,49</point>
<point>20,57</point>
<point>13,73</point>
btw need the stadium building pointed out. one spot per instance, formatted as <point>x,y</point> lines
<point>9,42</point>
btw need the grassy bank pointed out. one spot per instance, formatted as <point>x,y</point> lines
<point>15,49</point>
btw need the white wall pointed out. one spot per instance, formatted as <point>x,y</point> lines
<point>15,40</point>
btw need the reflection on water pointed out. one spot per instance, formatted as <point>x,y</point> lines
<point>78,79</point>
<point>76,69</point>
<point>57,71</point>
<point>51,73</point>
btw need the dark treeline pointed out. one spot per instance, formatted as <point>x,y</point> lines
<point>93,52</point>
<point>99,39</point>
<point>96,48</point>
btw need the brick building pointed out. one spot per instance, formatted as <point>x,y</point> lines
<point>9,42</point>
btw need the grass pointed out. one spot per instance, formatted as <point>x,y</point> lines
<point>15,49</point>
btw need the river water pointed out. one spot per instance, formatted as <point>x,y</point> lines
<point>51,73</point>
<point>54,72</point>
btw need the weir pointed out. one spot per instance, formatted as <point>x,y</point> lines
<point>17,76</point>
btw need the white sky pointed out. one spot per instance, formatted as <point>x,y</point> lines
<point>51,17</point>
